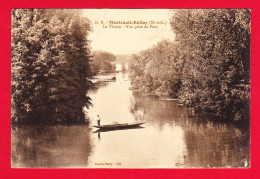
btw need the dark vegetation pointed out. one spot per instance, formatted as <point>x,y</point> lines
<point>207,67</point>
<point>102,62</point>
<point>50,66</point>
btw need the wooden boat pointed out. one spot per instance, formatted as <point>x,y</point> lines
<point>120,126</point>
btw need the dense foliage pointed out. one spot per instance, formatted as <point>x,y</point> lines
<point>207,67</point>
<point>102,62</point>
<point>157,70</point>
<point>50,65</point>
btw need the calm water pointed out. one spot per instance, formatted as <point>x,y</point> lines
<point>170,138</point>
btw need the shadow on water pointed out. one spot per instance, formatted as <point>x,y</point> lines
<point>99,131</point>
<point>177,137</point>
<point>125,128</point>
<point>50,146</point>
<point>208,143</point>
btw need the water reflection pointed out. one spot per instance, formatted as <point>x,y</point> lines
<point>215,145</point>
<point>127,128</point>
<point>99,135</point>
<point>172,136</point>
<point>50,146</point>
<point>207,143</point>
<point>156,111</point>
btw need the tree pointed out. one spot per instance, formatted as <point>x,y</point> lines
<point>207,66</point>
<point>102,62</point>
<point>50,65</point>
<point>157,70</point>
<point>216,51</point>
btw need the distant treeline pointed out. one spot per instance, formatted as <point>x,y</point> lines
<point>102,62</point>
<point>123,58</point>
<point>50,65</point>
<point>207,67</point>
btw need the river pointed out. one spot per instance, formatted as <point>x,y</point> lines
<point>172,136</point>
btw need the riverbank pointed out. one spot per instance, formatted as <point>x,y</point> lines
<point>193,112</point>
<point>182,139</point>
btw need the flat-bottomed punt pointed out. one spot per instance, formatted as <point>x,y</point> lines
<point>120,126</point>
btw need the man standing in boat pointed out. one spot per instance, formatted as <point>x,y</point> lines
<point>98,121</point>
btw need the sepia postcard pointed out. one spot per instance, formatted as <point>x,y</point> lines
<point>130,88</point>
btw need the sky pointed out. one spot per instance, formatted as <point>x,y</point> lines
<point>123,41</point>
